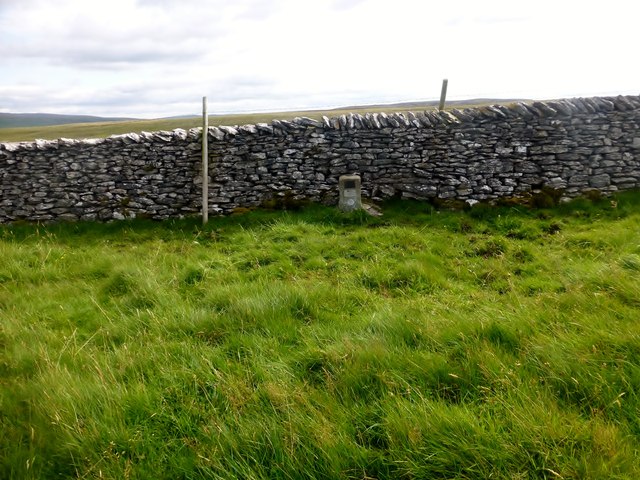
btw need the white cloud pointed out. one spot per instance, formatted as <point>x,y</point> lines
<point>158,57</point>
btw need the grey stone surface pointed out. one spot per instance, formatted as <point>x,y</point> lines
<point>472,155</point>
<point>350,193</point>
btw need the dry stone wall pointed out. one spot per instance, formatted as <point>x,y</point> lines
<point>478,154</point>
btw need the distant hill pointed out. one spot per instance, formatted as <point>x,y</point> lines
<point>434,103</point>
<point>12,120</point>
<point>17,120</point>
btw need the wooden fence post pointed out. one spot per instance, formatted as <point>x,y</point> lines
<point>205,162</point>
<point>443,94</point>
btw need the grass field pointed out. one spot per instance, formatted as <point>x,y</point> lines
<point>495,343</point>
<point>104,129</point>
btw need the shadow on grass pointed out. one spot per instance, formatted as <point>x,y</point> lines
<point>483,218</point>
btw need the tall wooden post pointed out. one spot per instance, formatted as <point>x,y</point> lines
<point>205,162</point>
<point>443,94</point>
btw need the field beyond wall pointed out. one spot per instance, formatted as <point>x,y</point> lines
<point>492,343</point>
<point>105,129</point>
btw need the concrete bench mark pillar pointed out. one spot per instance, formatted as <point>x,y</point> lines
<point>350,197</point>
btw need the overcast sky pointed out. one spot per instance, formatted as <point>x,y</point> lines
<point>151,58</point>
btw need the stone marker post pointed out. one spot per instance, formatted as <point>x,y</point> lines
<point>350,196</point>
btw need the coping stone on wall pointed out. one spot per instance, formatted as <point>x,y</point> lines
<point>231,131</point>
<point>307,122</point>
<point>605,104</point>
<point>375,121</point>
<point>248,128</point>
<point>546,110</point>
<point>180,134</point>
<point>264,128</point>
<point>414,120</point>
<point>619,103</point>
<point>215,133</point>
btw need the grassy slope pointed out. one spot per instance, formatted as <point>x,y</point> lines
<point>489,344</point>
<point>104,129</point>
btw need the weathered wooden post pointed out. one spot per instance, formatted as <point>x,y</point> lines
<point>443,94</point>
<point>205,162</point>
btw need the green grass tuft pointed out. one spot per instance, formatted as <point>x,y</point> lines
<point>491,343</point>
